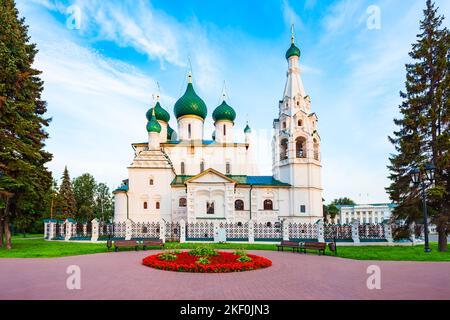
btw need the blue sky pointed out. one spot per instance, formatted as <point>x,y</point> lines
<point>99,79</point>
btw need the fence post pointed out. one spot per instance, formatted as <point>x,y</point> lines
<point>355,231</point>
<point>388,232</point>
<point>52,230</point>
<point>182,231</point>
<point>251,232</point>
<point>285,230</point>
<point>162,230</point>
<point>68,224</point>
<point>412,230</point>
<point>128,229</point>
<point>95,230</point>
<point>320,236</point>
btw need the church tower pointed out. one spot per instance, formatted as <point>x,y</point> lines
<point>296,145</point>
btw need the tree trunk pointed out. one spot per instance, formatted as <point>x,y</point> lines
<point>442,235</point>
<point>7,233</point>
<point>1,232</point>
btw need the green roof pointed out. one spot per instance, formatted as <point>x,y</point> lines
<point>170,132</point>
<point>269,181</point>
<point>160,113</point>
<point>224,112</point>
<point>293,51</point>
<point>153,125</point>
<point>247,129</point>
<point>190,104</point>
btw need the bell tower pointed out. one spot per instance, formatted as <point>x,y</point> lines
<point>296,145</point>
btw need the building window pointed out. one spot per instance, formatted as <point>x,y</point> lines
<point>202,166</point>
<point>376,219</point>
<point>145,205</point>
<point>298,103</point>
<point>300,123</point>
<point>182,203</point>
<point>268,224</point>
<point>182,169</point>
<point>268,205</point>
<point>303,209</point>
<point>144,229</point>
<point>189,131</point>
<point>300,147</point>
<point>224,130</point>
<point>151,182</point>
<point>284,124</point>
<point>158,205</point>
<point>239,224</point>
<point>284,149</point>
<point>316,150</point>
<point>239,205</point>
<point>228,168</point>
<point>210,207</point>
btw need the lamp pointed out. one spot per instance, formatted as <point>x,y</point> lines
<point>415,175</point>
<point>429,171</point>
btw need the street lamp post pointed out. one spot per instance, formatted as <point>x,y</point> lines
<point>420,177</point>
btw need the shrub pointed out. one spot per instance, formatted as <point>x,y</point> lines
<point>168,256</point>
<point>244,258</point>
<point>203,261</point>
<point>203,251</point>
<point>240,252</point>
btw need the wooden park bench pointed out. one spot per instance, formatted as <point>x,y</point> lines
<point>152,243</point>
<point>288,244</point>
<point>320,246</point>
<point>125,244</point>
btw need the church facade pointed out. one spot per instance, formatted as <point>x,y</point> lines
<point>180,175</point>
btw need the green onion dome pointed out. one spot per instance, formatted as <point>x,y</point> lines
<point>170,132</point>
<point>190,104</point>
<point>160,113</point>
<point>153,125</point>
<point>224,112</point>
<point>293,51</point>
<point>247,129</point>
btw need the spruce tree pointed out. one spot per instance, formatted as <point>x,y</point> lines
<point>24,180</point>
<point>423,134</point>
<point>67,204</point>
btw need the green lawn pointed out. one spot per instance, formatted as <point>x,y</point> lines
<point>19,236</point>
<point>50,249</point>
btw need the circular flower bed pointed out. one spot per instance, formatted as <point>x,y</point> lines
<point>217,263</point>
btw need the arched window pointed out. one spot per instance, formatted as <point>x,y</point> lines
<point>189,131</point>
<point>298,103</point>
<point>300,147</point>
<point>268,224</point>
<point>182,203</point>
<point>316,150</point>
<point>268,205</point>
<point>182,169</point>
<point>202,166</point>
<point>284,124</point>
<point>239,224</point>
<point>210,207</point>
<point>228,168</point>
<point>224,130</point>
<point>145,205</point>
<point>284,149</point>
<point>300,122</point>
<point>158,205</point>
<point>239,205</point>
<point>151,182</point>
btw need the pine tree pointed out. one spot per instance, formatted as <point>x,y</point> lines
<point>423,135</point>
<point>67,205</point>
<point>24,180</point>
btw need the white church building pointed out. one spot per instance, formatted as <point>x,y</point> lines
<point>180,175</point>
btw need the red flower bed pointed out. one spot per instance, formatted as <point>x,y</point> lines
<point>224,262</point>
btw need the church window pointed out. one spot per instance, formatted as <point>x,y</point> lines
<point>300,122</point>
<point>298,103</point>
<point>268,224</point>
<point>239,224</point>
<point>284,149</point>
<point>300,147</point>
<point>189,131</point>
<point>224,129</point>
<point>144,229</point>
<point>145,205</point>
<point>284,124</point>
<point>228,168</point>
<point>182,203</point>
<point>202,166</point>
<point>316,150</point>
<point>151,182</point>
<point>158,205</point>
<point>268,205</point>
<point>210,207</point>
<point>239,205</point>
<point>182,167</point>
<point>303,209</point>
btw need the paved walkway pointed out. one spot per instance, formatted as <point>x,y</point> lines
<point>292,277</point>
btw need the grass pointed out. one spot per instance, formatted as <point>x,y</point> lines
<point>50,249</point>
<point>19,236</point>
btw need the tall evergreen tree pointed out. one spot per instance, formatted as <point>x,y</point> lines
<point>67,205</point>
<point>423,135</point>
<point>24,179</point>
